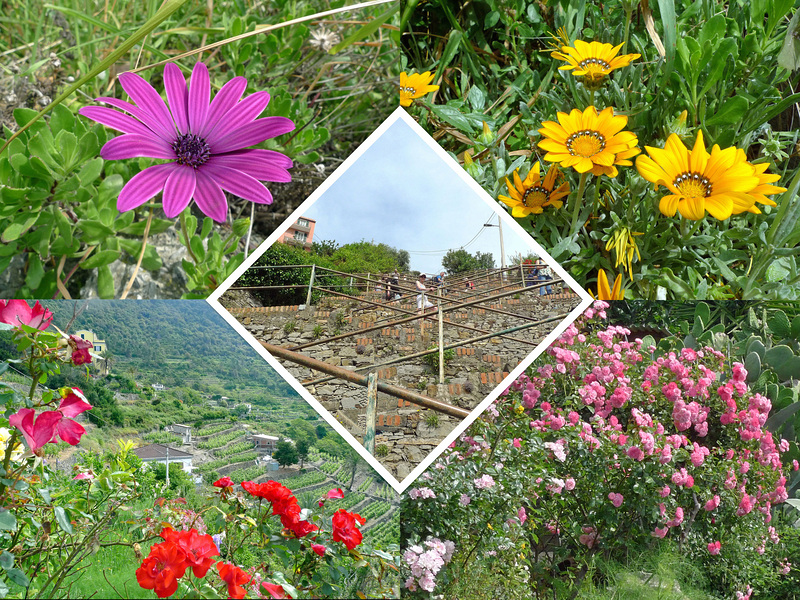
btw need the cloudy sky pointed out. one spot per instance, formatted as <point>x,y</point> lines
<point>401,193</point>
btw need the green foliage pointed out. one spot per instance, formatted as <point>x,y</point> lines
<point>432,359</point>
<point>285,453</point>
<point>289,326</point>
<point>461,261</point>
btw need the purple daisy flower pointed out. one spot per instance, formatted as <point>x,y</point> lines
<point>205,142</point>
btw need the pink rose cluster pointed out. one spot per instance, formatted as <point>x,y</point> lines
<point>423,492</point>
<point>425,561</point>
<point>685,418</point>
<point>49,426</point>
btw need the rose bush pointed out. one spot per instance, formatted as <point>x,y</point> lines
<point>604,446</point>
<point>253,541</point>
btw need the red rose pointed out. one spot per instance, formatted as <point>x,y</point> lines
<point>198,548</point>
<point>80,350</point>
<point>17,312</point>
<point>162,568</point>
<point>345,529</point>
<point>274,590</point>
<point>319,549</point>
<point>337,493</point>
<point>234,577</point>
<point>223,482</point>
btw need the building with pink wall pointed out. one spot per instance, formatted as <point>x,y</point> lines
<point>301,233</point>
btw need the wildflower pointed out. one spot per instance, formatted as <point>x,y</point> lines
<point>80,350</point>
<point>234,577</point>
<point>48,426</point>
<point>534,193</point>
<point>718,183</point>
<point>593,61</point>
<point>589,142</point>
<point>323,39</point>
<point>415,86</point>
<point>206,143</point>
<point>162,568</point>
<point>17,312</point>
<point>345,529</point>
<point>604,292</point>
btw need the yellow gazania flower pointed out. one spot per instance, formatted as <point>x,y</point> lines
<point>414,86</point>
<point>719,183</point>
<point>759,192</point>
<point>604,292</point>
<point>589,141</point>
<point>593,60</point>
<point>533,194</point>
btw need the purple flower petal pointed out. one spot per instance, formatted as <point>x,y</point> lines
<point>199,95</point>
<point>253,166</point>
<point>245,112</point>
<point>269,156</point>
<point>149,101</point>
<point>210,198</point>
<point>226,99</point>
<point>175,85</point>
<point>132,145</point>
<point>143,186</point>
<point>178,190</point>
<point>253,133</point>
<point>115,120</point>
<point>138,113</point>
<point>239,183</point>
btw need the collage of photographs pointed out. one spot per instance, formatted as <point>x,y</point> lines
<point>425,299</point>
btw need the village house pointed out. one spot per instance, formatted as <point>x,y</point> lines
<point>161,453</point>
<point>265,443</point>
<point>185,431</point>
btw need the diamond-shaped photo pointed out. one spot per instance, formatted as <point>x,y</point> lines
<point>398,298</point>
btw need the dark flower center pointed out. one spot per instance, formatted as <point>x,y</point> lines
<point>191,150</point>
<point>538,195</point>
<point>586,143</point>
<point>695,185</point>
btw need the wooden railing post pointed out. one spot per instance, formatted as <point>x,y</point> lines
<point>372,410</point>
<point>310,285</point>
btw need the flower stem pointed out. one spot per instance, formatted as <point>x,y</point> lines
<point>185,232</point>
<point>576,210</point>
<point>628,17</point>
<point>141,255</point>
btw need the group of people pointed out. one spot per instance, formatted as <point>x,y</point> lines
<point>538,272</point>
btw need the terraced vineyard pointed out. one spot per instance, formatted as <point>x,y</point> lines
<point>348,502</point>
<point>247,474</point>
<point>219,440</point>
<point>375,509</point>
<point>385,533</point>
<point>306,479</point>
<point>163,437</point>
<point>233,449</point>
<point>224,462</point>
<point>213,429</point>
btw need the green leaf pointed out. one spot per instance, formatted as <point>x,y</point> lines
<point>454,117</point>
<point>151,260</point>
<point>18,577</point>
<point>99,259</point>
<point>6,559</point>
<point>789,56</point>
<point>156,226</point>
<point>779,324</point>
<point>476,98</point>
<point>8,522</point>
<point>105,283</point>
<point>63,519</point>
<point>95,231</point>
<point>18,227</point>
<point>35,272</point>
<point>732,111</point>
<point>90,171</point>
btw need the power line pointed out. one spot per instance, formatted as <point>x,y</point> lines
<point>433,252</point>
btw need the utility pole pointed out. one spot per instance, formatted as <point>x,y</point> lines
<point>167,465</point>
<point>502,247</point>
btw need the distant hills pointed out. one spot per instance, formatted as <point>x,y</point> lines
<point>174,342</point>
